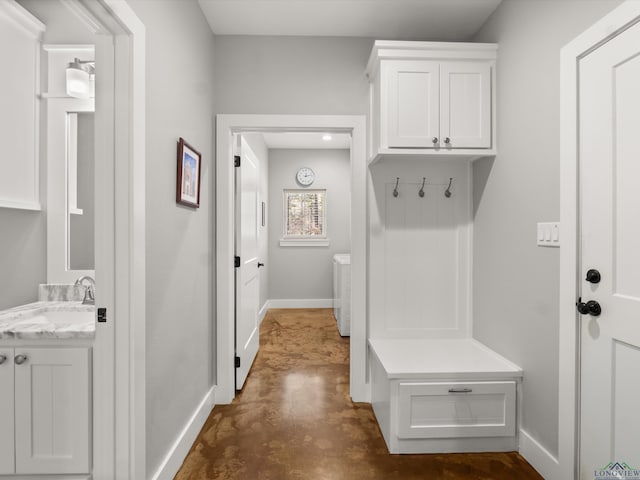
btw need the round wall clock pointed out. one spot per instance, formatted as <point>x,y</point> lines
<point>305,176</point>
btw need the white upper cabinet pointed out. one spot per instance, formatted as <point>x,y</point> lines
<point>431,98</point>
<point>20,35</point>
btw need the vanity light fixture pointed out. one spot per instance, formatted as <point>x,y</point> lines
<point>327,137</point>
<point>80,73</point>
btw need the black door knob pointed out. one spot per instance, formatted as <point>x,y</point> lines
<point>591,307</point>
<point>260,264</point>
<point>593,276</point>
<point>594,308</point>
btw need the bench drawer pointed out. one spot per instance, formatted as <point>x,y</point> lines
<point>455,410</point>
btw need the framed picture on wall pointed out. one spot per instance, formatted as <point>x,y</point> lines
<point>188,187</point>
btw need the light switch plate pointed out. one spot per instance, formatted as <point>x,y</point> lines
<point>549,234</point>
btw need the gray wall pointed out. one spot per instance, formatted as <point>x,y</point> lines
<point>306,272</point>
<point>291,75</point>
<point>23,258</point>
<point>81,227</point>
<point>180,291</point>
<point>515,287</point>
<point>257,145</point>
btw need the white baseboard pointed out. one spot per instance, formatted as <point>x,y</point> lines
<point>301,303</point>
<point>263,311</point>
<point>178,452</point>
<point>538,456</point>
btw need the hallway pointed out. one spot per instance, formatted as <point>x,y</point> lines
<point>295,420</point>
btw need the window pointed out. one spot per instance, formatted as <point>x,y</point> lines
<point>304,218</point>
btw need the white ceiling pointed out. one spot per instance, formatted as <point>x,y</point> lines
<point>306,140</point>
<point>437,20</point>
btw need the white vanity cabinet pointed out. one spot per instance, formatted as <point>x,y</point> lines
<point>7,438</point>
<point>45,410</point>
<point>432,98</point>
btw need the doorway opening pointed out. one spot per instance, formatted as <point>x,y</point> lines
<point>228,127</point>
<point>292,219</point>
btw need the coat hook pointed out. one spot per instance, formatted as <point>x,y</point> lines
<point>447,192</point>
<point>421,192</point>
<point>395,190</point>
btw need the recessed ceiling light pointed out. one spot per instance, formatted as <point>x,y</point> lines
<point>326,137</point>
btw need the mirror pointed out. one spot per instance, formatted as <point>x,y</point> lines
<point>80,188</point>
<point>70,154</point>
<point>70,189</point>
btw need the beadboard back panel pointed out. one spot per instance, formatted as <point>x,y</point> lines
<point>420,250</point>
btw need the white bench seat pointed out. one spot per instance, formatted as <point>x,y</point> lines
<point>443,395</point>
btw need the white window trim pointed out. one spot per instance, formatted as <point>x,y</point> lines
<point>302,240</point>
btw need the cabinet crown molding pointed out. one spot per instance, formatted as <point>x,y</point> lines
<point>404,50</point>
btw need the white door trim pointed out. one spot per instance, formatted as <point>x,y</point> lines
<point>226,126</point>
<point>568,413</point>
<point>128,315</point>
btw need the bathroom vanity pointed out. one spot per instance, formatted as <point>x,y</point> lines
<point>45,380</point>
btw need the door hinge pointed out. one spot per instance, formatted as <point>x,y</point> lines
<point>236,262</point>
<point>102,315</point>
<point>236,160</point>
<point>237,361</point>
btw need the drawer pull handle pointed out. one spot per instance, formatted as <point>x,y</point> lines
<point>3,358</point>
<point>460,390</point>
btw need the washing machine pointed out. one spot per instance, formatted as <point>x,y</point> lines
<point>342,292</point>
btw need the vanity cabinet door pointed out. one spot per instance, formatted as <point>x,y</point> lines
<point>52,410</point>
<point>465,104</point>
<point>7,465</point>
<point>412,103</point>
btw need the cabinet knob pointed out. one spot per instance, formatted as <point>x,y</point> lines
<point>20,359</point>
<point>3,358</point>
<point>447,140</point>
<point>434,140</point>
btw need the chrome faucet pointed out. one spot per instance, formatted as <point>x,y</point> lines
<point>89,291</point>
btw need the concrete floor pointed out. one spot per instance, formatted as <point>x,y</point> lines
<point>294,420</point>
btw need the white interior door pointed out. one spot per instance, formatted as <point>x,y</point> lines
<point>247,277</point>
<point>609,151</point>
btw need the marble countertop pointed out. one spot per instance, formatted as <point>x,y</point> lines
<point>48,320</point>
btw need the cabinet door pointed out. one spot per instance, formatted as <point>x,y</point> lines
<point>412,103</point>
<point>52,410</point>
<point>6,412</point>
<point>465,104</point>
